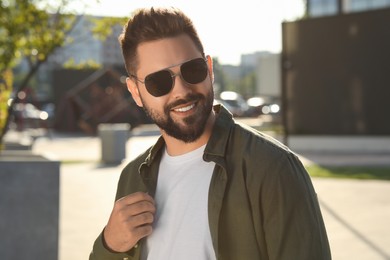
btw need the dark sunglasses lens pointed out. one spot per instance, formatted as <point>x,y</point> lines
<point>159,83</point>
<point>194,71</point>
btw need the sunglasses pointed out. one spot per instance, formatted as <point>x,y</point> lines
<point>161,82</point>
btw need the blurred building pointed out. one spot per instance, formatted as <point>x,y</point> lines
<point>250,61</point>
<point>91,98</point>
<point>335,66</point>
<point>84,46</point>
<point>268,72</point>
<point>316,8</point>
<point>84,82</point>
<point>225,76</point>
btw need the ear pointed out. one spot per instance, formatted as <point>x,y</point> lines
<point>210,65</point>
<point>133,89</point>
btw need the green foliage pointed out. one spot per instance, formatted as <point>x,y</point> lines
<point>103,26</point>
<point>248,84</point>
<point>219,77</point>
<point>5,92</point>
<point>88,64</point>
<point>350,172</point>
<point>29,32</point>
<point>32,30</point>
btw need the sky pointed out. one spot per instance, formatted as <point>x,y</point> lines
<point>226,28</point>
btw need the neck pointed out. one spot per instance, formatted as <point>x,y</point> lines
<point>178,147</point>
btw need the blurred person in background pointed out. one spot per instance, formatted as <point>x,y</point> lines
<point>209,188</point>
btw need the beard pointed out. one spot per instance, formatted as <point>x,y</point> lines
<point>191,127</point>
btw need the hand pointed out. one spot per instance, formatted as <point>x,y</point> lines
<point>131,219</point>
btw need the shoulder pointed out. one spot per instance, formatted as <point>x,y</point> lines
<point>262,153</point>
<point>250,140</point>
<point>266,162</point>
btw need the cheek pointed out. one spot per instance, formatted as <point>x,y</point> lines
<point>151,102</point>
<point>207,87</point>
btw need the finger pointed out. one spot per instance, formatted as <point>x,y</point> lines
<point>134,198</point>
<point>142,231</point>
<point>139,208</point>
<point>146,218</point>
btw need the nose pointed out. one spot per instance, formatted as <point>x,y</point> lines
<point>180,86</point>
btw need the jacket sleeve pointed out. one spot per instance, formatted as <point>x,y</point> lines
<point>100,252</point>
<point>292,220</point>
<point>126,185</point>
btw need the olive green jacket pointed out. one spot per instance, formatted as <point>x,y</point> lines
<point>262,204</point>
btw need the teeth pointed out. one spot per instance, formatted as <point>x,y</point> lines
<point>184,109</point>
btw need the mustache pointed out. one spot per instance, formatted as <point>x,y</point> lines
<point>185,100</point>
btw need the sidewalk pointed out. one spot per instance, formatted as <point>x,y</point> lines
<point>355,212</point>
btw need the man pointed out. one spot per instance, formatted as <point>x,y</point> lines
<point>210,188</point>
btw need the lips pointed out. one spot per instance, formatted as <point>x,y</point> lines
<point>185,108</point>
<point>185,104</point>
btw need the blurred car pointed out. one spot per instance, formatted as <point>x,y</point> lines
<point>262,106</point>
<point>255,105</point>
<point>26,115</point>
<point>234,102</point>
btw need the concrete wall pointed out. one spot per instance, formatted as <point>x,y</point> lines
<point>29,206</point>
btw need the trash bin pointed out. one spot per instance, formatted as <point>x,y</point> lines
<point>113,139</point>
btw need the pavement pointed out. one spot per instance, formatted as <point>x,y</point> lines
<point>356,212</point>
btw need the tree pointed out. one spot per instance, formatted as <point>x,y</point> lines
<point>30,33</point>
<point>5,91</point>
<point>219,76</point>
<point>32,30</point>
<point>248,84</point>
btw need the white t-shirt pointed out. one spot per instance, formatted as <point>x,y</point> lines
<point>181,227</point>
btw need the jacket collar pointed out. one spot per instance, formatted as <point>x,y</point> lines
<point>156,148</point>
<point>216,146</point>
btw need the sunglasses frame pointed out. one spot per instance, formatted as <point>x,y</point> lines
<point>173,75</point>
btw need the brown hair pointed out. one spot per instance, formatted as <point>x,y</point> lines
<point>154,24</point>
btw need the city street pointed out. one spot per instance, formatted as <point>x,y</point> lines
<point>356,212</point>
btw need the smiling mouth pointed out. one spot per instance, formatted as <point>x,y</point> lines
<point>184,109</point>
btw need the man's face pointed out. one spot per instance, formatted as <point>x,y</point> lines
<point>184,112</point>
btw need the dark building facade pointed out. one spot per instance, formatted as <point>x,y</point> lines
<point>336,74</point>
